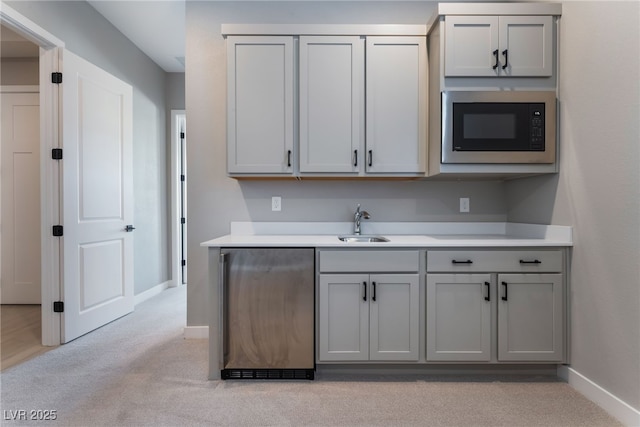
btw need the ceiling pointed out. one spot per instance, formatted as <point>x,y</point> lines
<point>156,27</point>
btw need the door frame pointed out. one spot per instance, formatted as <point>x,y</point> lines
<point>176,194</point>
<point>50,170</point>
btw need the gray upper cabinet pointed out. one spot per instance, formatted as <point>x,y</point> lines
<point>260,123</point>
<point>485,46</point>
<point>318,105</point>
<point>331,104</point>
<point>396,90</point>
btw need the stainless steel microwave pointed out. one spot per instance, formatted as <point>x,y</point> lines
<point>499,127</point>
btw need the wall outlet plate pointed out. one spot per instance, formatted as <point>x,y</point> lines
<point>276,203</point>
<point>464,204</point>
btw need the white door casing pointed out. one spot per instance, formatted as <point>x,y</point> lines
<point>97,197</point>
<point>21,282</point>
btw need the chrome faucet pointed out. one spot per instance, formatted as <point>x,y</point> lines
<point>357,217</point>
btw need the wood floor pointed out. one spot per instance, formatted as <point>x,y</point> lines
<point>20,335</point>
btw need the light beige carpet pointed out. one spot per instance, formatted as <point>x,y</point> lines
<point>139,371</point>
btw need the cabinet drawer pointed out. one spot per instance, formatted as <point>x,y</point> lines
<point>369,261</point>
<point>495,261</point>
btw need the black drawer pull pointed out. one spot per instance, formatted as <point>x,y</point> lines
<point>364,285</point>
<point>373,297</point>
<point>495,53</point>
<point>461,262</point>
<point>536,261</point>
<point>488,296</point>
<point>506,289</point>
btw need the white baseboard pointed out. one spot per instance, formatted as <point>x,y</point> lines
<point>196,332</point>
<point>616,407</point>
<point>151,292</point>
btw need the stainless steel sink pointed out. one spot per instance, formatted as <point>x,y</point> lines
<point>362,239</point>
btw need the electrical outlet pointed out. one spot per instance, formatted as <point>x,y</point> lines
<point>276,203</point>
<point>464,204</point>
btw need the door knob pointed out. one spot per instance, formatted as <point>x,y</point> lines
<point>129,228</point>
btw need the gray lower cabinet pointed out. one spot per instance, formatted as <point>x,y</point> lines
<point>459,317</point>
<point>369,317</point>
<point>522,311</point>
<point>530,317</point>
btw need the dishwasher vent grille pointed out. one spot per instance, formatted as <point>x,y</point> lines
<point>267,374</point>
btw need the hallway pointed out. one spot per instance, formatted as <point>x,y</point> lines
<point>21,334</point>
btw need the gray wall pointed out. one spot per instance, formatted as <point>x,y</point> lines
<point>19,71</point>
<point>214,200</point>
<point>597,190</point>
<point>174,90</point>
<point>86,33</point>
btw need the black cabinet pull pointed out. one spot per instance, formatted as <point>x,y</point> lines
<point>370,157</point>
<point>506,59</point>
<point>495,53</point>
<point>461,262</point>
<point>506,288</point>
<point>364,286</point>
<point>373,297</point>
<point>289,158</point>
<point>488,296</point>
<point>355,157</point>
<point>535,261</point>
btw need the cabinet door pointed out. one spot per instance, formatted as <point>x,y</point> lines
<point>396,69</point>
<point>459,317</point>
<point>530,317</point>
<point>526,45</point>
<point>260,104</point>
<point>344,317</point>
<point>471,46</point>
<point>394,318</point>
<point>331,103</point>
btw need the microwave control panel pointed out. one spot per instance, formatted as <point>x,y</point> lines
<point>537,127</point>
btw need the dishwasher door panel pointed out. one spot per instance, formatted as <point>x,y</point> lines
<point>269,309</point>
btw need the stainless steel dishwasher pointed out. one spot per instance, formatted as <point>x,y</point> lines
<point>267,313</point>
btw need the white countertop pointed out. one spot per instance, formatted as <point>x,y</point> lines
<point>405,235</point>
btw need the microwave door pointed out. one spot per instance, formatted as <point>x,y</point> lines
<point>490,127</point>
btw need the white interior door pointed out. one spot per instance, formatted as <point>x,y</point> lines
<point>98,197</point>
<point>20,199</point>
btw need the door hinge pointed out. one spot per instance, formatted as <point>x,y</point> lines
<point>58,307</point>
<point>57,230</point>
<point>184,262</point>
<point>56,153</point>
<point>56,77</point>
<point>182,178</point>
<point>182,135</point>
<point>183,220</point>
